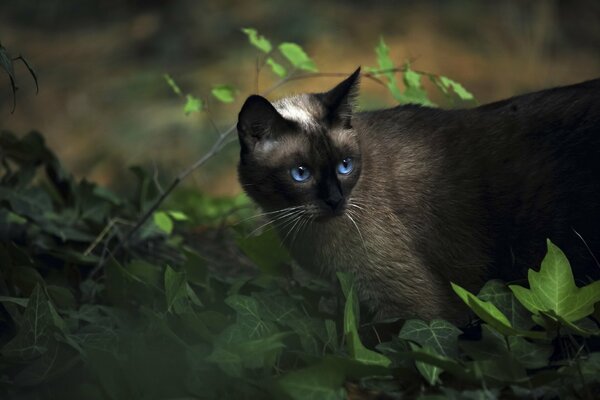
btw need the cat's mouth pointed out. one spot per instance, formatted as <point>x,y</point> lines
<point>326,214</point>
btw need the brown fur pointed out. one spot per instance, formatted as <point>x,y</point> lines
<point>436,196</point>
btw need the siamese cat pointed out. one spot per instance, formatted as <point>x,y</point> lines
<point>411,198</point>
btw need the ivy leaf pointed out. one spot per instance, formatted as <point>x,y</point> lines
<point>355,347</point>
<point>553,289</point>
<point>249,317</point>
<point>321,381</point>
<point>256,40</point>
<point>277,68</point>
<point>38,324</point>
<point>494,346</point>
<point>234,351</point>
<point>497,293</point>
<point>15,300</point>
<point>264,250</point>
<point>163,222</point>
<point>550,320</point>
<point>175,288</point>
<point>438,334</point>
<point>491,314</point>
<point>192,105</point>
<point>297,56</point>
<point>224,93</point>
<point>437,337</point>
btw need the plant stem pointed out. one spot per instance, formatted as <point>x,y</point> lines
<point>215,149</point>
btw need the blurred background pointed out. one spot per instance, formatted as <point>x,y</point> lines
<point>104,105</point>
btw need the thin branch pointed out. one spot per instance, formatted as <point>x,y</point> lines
<point>217,146</point>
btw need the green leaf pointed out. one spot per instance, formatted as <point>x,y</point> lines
<point>38,325</point>
<point>178,215</point>
<point>355,347</point>
<point>386,64</point>
<point>192,105</point>
<point>277,68</point>
<point>498,293</point>
<point>383,57</point>
<point>175,287</point>
<point>579,328</point>
<point>15,300</point>
<point>234,352</point>
<point>256,40</point>
<point>266,251</point>
<point>430,372</point>
<point>459,89</point>
<point>172,84</point>
<point>553,289</point>
<point>491,314</point>
<point>321,381</point>
<point>224,93</point>
<point>13,218</point>
<point>414,92</point>
<point>297,56</point>
<point>494,346</point>
<point>426,356</point>
<point>163,221</point>
<point>439,335</point>
<point>249,317</point>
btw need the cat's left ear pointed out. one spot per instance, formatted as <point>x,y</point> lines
<point>339,101</point>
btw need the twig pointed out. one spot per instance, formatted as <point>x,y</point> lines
<point>104,232</point>
<point>369,75</point>
<point>222,140</point>
<point>216,147</point>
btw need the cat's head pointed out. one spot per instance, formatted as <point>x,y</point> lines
<point>301,151</point>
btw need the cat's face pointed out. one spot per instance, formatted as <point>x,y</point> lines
<point>301,151</point>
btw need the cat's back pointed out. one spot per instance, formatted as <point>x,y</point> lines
<point>511,173</point>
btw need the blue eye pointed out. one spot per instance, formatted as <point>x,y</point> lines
<point>300,174</point>
<point>346,166</point>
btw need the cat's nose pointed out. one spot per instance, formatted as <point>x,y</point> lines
<point>334,203</point>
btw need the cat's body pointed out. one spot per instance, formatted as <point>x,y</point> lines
<point>439,195</point>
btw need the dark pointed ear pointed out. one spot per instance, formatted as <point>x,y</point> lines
<point>339,101</point>
<point>258,119</point>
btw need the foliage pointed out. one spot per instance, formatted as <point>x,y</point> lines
<point>7,64</point>
<point>162,322</point>
<point>287,60</point>
<point>198,306</point>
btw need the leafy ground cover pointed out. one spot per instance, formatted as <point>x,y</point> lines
<point>199,303</point>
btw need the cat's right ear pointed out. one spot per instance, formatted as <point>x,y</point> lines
<point>258,120</point>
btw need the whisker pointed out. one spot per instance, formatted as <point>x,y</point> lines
<point>269,213</point>
<point>296,220</point>
<point>356,206</point>
<point>271,221</point>
<point>302,225</point>
<point>358,230</point>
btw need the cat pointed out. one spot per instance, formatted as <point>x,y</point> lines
<point>411,198</point>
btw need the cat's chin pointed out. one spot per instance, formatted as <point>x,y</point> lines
<point>330,216</point>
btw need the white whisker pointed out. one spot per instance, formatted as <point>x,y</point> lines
<point>303,224</point>
<point>276,212</point>
<point>297,219</point>
<point>290,212</point>
<point>358,230</point>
